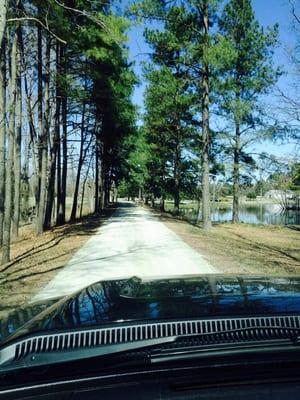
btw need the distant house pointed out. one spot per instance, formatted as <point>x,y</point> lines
<point>279,194</point>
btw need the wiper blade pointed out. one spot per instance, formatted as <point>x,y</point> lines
<point>204,342</point>
<point>252,333</point>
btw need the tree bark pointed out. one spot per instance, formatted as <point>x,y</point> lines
<point>40,124</point>
<point>162,204</point>
<point>206,217</point>
<point>44,144</point>
<point>97,165</point>
<point>3,8</point>
<point>51,186</point>
<point>17,142</point>
<point>2,131</point>
<point>25,189</point>
<point>29,142</point>
<point>54,159</point>
<point>236,174</point>
<point>61,219</point>
<point>10,154</point>
<point>62,172</point>
<point>83,187</point>
<point>32,141</point>
<point>177,174</point>
<point>3,11</point>
<point>80,162</point>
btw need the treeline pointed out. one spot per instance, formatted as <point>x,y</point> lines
<point>211,64</point>
<point>65,108</point>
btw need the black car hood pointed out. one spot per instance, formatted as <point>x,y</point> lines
<point>113,302</point>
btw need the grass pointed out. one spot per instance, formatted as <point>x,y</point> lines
<point>243,248</point>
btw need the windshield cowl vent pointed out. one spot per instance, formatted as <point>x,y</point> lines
<point>211,331</point>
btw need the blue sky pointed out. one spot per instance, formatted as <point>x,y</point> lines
<point>268,12</point>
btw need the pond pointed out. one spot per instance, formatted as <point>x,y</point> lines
<point>260,213</point>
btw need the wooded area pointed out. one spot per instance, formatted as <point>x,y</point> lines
<point>65,105</point>
<point>211,78</point>
<point>68,125</point>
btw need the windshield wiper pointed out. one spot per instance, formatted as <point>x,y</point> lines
<point>251,338</point>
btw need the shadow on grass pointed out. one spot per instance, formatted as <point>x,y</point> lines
<point>86,226</point>
<point>293,227</point>
<point>30,275</point>
<point>266,247</point>
<point>27,268</point>
<point>260,247</point>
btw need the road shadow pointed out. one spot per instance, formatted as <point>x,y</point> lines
<point>87,225</point>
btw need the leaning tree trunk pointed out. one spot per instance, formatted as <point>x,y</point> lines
<point>10,153</point>
<point>206,217</point>
<point>236,174</point>
<point>17,142</point>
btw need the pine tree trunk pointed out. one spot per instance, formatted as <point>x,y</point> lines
<point>236,175</point>
<point>63,195</point>
<point>60,112</point>
<point>17,142</point>
<point>54,153</point>
<point>80,162</point>
<point>177,174</point>
<point>105,187</point>
<point>162,204</point>
<point>32,141</point>
<point>10,154</point>
<point>97,173</point>
<point>39,223</point>
<point>206,217</point>
<point>29,140</point>
<point>50,188</point>
<point>83,188</point>
<point>3,8</point>
<point>25,189</point>
<point>44,145</point>
<point>2,132</point>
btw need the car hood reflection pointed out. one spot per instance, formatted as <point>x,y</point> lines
<point>119,301</point>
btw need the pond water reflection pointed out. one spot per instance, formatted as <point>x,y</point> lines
<point>260,213</point>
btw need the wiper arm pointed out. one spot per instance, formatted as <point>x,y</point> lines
<point>189,343</point>
<point>55,357</point>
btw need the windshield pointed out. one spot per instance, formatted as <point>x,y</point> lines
<point>152,146</point>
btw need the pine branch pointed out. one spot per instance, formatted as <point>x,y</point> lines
<point>83,13</point>
<point>21,19</point>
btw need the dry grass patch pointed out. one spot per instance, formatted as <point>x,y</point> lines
<point>35,260</point>
<point>243,248</point>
